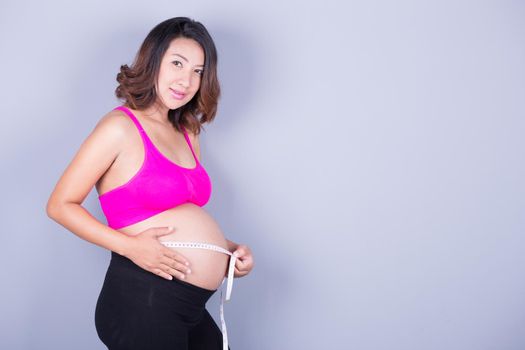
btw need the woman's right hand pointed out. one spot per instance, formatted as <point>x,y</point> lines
<point>145,250</point>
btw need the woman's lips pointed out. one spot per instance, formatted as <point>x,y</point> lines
<point>178,95</point>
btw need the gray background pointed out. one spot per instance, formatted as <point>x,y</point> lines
<point>369,152</point>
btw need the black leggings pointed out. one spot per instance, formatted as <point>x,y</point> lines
<point>138,310</point>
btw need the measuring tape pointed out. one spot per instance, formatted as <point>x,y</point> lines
<point>231,270</point>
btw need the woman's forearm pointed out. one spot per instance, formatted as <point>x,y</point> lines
<point>78,220</point>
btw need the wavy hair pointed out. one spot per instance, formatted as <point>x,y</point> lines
<point>137,84</point>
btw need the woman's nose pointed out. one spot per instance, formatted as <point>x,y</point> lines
<point>184,79</point>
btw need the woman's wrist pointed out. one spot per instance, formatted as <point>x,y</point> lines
<point>124,245</point>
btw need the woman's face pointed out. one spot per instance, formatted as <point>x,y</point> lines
<point>180,71</point>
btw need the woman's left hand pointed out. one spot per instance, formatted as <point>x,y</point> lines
<point>244,263</point>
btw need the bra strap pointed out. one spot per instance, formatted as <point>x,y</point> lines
<point>132,116</point>
<point>189,143</point>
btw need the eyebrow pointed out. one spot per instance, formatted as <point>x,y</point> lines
<point>185,59</point>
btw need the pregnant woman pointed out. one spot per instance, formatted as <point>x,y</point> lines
<point>168,255</point>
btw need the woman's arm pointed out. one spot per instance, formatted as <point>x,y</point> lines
<point>78,220</point>
<point>95,156</point>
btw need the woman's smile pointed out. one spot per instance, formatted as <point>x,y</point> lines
<point>176,94</point>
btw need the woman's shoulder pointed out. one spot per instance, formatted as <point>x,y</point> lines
<point>115,123</point>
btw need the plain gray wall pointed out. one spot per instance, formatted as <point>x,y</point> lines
<point>369,152</point>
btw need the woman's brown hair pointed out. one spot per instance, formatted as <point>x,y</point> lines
<point>137,84</point>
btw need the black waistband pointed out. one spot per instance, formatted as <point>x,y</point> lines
<point>120,261</point>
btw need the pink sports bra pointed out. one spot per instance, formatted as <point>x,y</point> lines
<point>158,185</point>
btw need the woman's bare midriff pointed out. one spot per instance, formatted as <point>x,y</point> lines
<point>192,224</point>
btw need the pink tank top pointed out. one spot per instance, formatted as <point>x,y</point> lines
<point>159,185</point>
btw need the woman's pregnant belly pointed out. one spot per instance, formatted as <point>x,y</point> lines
<point>192,224</point>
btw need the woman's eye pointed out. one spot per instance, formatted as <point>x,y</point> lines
<point>175,62</point>
<point>200,71</point>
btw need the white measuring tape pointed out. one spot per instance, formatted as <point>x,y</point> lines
<point>231,270</point>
